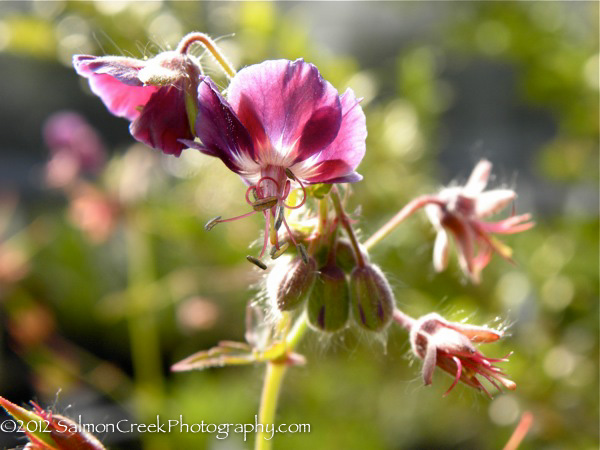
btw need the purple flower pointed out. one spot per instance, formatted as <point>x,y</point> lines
<point>449,346</point>
<point>461,210</point>
<point>150,93</point>
<point>282,125</point>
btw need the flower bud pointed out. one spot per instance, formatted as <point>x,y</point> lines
<point>344,255</point>
<point>329,301</point>
<point>296,284</point>
<point>371,297</point>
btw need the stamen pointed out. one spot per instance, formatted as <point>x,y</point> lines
<point>259,190</point>
<point>280,214</point>
<point>265,203</point>
<point>212,223</point>
<point>231,219</point>
<point>266,239</point>
<point>251,189</point>
<point>257,262</point>
<point>273,231</point>
<point>304,194</point>
<point>303,253</point>
<point>277,252</point>
<point>290,174</point>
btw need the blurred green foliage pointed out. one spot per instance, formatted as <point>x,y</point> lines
<point>81,308</point>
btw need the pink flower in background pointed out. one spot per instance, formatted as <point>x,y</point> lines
<point>74,145</point>
<point>461,210</point>
<point>282,126</point>
<point>449,346</point>
<point>150,93</point>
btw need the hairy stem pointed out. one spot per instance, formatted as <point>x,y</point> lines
<point>272,384</point>
<point>343,218</point>
<point>405,212</point>
<point>209,45</point>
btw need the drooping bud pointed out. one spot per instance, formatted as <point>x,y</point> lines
<point>296,284</point>
<point>371,297</point>
<point>329,301</point>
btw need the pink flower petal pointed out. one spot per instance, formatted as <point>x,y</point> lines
<point>490,202</point>
<point>478,179</point>
<point>288,109</point>
<point>163,121</point>
<point>440,251</point>
<point>345,153</point>
<point>115,80</point>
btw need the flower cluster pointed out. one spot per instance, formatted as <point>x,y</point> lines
<point>282,128</point>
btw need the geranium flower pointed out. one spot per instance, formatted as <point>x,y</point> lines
<point>150,93</point>
<point>449,346</point>
<point>461,210</point>
<point>282,126</point>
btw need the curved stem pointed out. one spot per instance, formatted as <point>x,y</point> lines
<point>410,208</point>
<point>343,218</point>
<point>209,45</point>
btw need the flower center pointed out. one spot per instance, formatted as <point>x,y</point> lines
<point>268,196</point>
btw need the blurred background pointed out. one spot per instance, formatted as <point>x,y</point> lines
<point>105,286</point>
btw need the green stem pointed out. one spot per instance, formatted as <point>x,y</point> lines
<point>343,218</point>
<point>268,402</point>
<point>143,330</point>
<point>272,383</point>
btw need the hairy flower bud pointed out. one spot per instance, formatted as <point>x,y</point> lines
<point>296,284</point>
<point>344,255</point>
<point>371,297</point>
<point>329,301</point>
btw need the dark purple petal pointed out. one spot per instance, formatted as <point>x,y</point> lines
<point>115,80</point>
<point>164,121</point>
<point>287,107</point>
<point>221,132</point>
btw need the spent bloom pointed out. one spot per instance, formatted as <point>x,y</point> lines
<point>461,210</point>
<point>156,95</point>
<point>450,346</point>
<point>281,127</point>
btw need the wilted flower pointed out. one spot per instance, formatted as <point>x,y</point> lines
<point>460,210</point>
<point>282,126</point>
<point>74,147</point>
<point>157,95</point>
<point>449,345</point>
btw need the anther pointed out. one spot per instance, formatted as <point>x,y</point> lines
<point>303,253</point>
<point>277,252</point>
<point>279,221</point>
<point>290,174</point>
<point>212,223</point>
<point>257,262</point>
<point>264,203</point>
